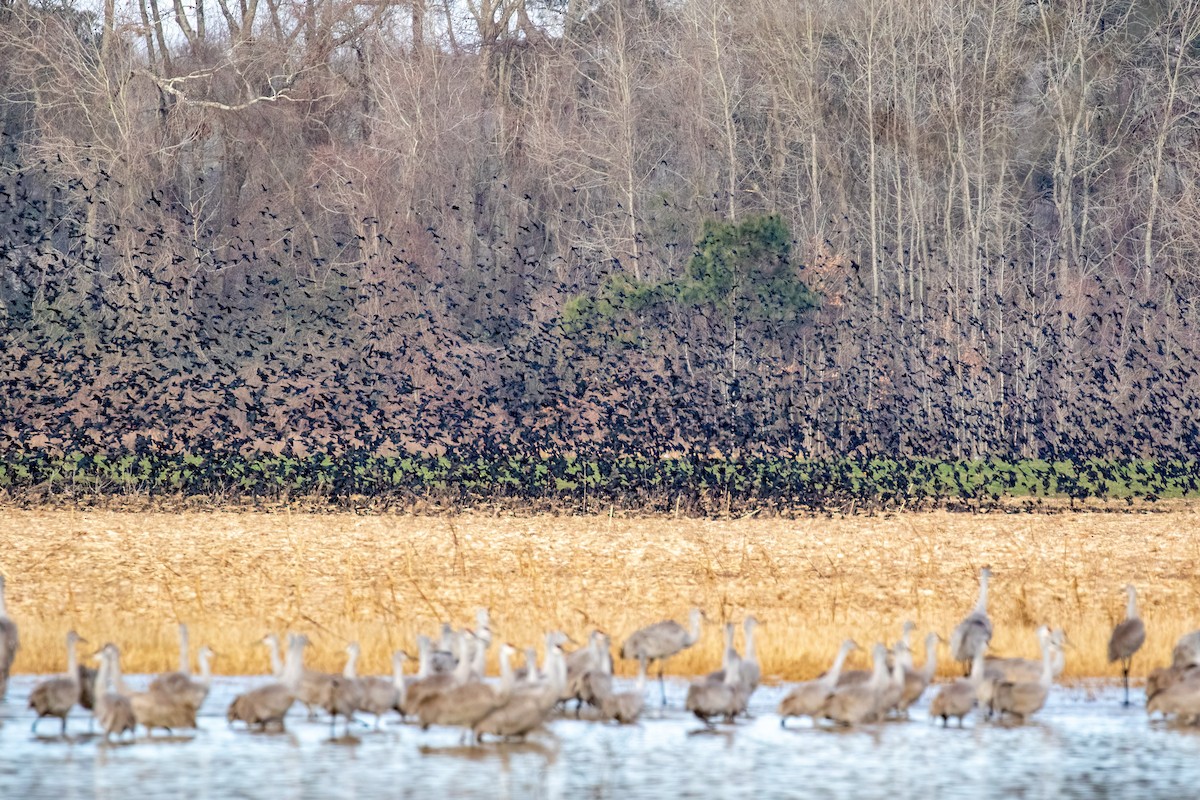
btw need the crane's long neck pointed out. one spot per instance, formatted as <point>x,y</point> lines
<point>729,651</point>
<point>3,607</point>
<point>398,670</point>
<point>508,677</point>
<point>462,671</point>
<point>483,626</point>
<point>118,680</point>
<point>185,662</point>
<point>1058,659</point>
<point>976,678</point>
<point>694,628</point>
<point>351,669</point>
<point>205,661</point>
<point>103,679</point>
<point>981,603</point>
<point>72,661</point>
<point>751,655</point>
<point>879,677</point>
<point>1131,610</point>
<point>276,662</point>
<point>423,656</point>
<point>398,678</point>
<point>558,671</point>
<point>835,672</point>
<point>733,673</point>
<point>930,666</point>
<point>1047,664</point>
<point>479,657</point>
<point>898,668</point>
<point>293,667</point>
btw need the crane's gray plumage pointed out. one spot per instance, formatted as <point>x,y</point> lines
<point>726,698</point>
<point>1180,700</point>
<point>184,688</point>
<point>807,699</point>
<point>1127,638</point>
<point>1187,651</point>
<point>153,708</point>
<point>916,681</point>
<point>57,696</point>
<point>113,711</point>
<point>856,704</point>
<point>660,641</point>
<point>1021,699</point>
<point>9,642</point>
<point>975,632</point>
<point>957,699</point>
<point>525,711</point>
<point>269,704</point>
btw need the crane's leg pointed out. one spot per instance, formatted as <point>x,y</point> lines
<point>662,688</point>
<point>1126,671</point>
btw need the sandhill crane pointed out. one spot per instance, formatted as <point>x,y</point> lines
<point>1181,700</point>
<point>113,711</point>
<point>808,699</point>
<point>342,694</point>
<point>1187,651</point>
<point>588,670</point>
<point>708,699</point>
<point>269,704</point>
<point>424,687</point>
<point>916,681</point>
<point>309,686</point>
<point>1127,638</point>
<point>998,669</point>
<point>1164,678</point>
<point>958,698</point>
<point>660,641</point>
<point>1023,698</point>
<point>856,677</point>
<point>525,711</point>
<point>379,695</point>
<point>727,653</point>
<point>856,704</point>
<point>184,688</point>
<point>621,707</point>
<point>57,696</point>
<point>467,703</point>
<point>9,642</point>
<point>152,709</point>
<point>974,632</point>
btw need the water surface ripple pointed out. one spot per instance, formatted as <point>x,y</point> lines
<point>1083,744</point>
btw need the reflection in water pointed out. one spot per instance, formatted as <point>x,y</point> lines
<point>1074,748</point>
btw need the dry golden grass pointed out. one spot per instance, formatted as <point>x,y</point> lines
<point>128,577</point>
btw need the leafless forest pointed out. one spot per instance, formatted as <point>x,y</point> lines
<point>951,227</point>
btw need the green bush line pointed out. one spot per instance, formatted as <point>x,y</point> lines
<point>779,482</point>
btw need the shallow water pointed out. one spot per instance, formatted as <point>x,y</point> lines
<point>1083,744</point>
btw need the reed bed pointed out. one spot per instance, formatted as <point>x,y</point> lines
<point>129,577</point>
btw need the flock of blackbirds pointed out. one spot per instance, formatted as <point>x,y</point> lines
<point>156,333</point>
<point>449,687</point>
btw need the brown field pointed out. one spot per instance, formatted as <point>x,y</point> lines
<point>128,577</point>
